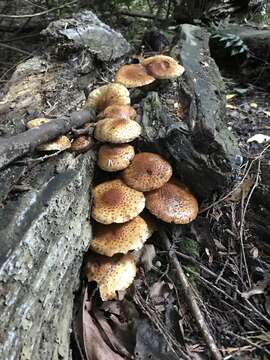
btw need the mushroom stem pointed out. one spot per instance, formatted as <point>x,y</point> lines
<point>188,292</point>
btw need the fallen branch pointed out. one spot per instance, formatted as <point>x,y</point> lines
<point>141,15</point>
<point>45,12</point>
<point>191,299</point>
<point>19,145</point>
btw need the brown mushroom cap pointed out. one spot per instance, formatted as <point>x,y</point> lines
<point>121,238</point>
<point>172,203</point>
<point>133,75</point>
<point>115,157</point>
<point>119,112</point>
<point>59,144</point>
<point>81,144</point>
<point>163,67</point>
<point>147,171</point>
<point>107,95</point>
<point>111,273</point>
<point>117,131</point>
<point>115,202</point>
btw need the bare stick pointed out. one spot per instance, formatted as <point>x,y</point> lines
<point>141,15</point>
<point>45,12</point>
<point>191,299</point>
<point>19,145</point>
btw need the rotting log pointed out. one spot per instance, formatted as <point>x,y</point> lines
<point>44,218</point>
<point>204,153</point>
<point>44,214</point>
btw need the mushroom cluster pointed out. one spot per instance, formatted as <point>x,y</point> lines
<point>143,183</point>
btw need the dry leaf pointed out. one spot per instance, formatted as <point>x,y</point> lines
<point>230,96</point>
<point>267,113</point>
<point>259,138</point>
<point>260,288</point>
<point>241,191</point>
<point>253,105</point>
<point>229,106</point>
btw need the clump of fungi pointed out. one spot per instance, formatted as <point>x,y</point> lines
<point>142,181</point>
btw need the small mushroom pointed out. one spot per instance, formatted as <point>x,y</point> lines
<point>163,67</point>
<point>121,238</point>
<point>147,171</point>
<point>80,145</point>
<point>117,131</point>
<point>107,95</point>
<point>111,274</point>
<point>115,202</point>
<point>172,203</point>
<point>59,144</point>
<point>133,75</point>
<point>115,157</point>
<point>119,112</point>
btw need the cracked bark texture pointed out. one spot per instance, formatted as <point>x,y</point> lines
<point>45,224</point>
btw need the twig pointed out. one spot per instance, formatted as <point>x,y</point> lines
<point>45,12</point>
<point>248,341</point>
<point>191,299</point>
<point>141,15</point>
<point>14,49</point>
<point>42,158</point>
<point>229,297</point>
<point>243,214</point>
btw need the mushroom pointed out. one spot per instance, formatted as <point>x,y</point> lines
<point>162,67</point>
<point>59,144</point>
<point>119,112</point>
<point>80,145</point>
<point>117,131</point>
<point>115,157</point>
<point>115,202</point>
<point>121,238</point>
<point>133,75</point>
<point>111,273</point>
<point>107,95</point>
<point>147,171</point>
<point>172,203</point>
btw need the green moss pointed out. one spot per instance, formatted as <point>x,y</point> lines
<point>190,247</point>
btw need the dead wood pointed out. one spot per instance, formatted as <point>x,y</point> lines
<point>191,299</point>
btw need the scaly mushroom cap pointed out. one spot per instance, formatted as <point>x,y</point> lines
<point>37,122</point>
<point>59,144</point>
<point>121,238</point>
<point>133,75</point>
<point>147,171</point>
<point>111,273</point>
<point>117,131</point>
<point>119,112</point>
<point>80,145</point>
<point>172,203</point>
<point>107,95</point>
<point>163,67</point>
<point>115,157</point>
<point>115,202</point>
